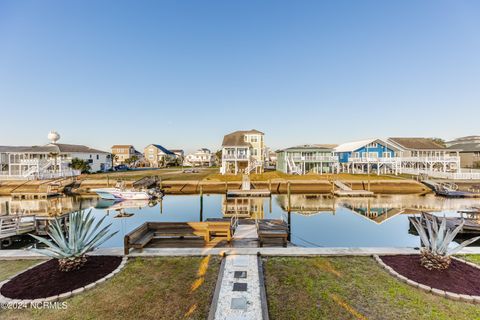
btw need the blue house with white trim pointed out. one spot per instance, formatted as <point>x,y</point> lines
<point>365,156</point>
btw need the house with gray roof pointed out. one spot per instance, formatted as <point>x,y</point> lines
<point>49,161</point>
<point>243,152</point>
<point>469,154</point>
<point>309,158</point>
<point>158,156</point>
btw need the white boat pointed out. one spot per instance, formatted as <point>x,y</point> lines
<point>122,194</point>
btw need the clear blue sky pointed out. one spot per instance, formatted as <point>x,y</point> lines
<point>184,73</point>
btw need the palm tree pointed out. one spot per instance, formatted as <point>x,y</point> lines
<point>79,164</point>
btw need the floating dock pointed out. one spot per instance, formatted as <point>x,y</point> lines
<point>346,191</point>
<point>444,191</point>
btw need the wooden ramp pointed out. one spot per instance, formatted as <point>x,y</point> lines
<point>346,191</point>
<point>245,231</point>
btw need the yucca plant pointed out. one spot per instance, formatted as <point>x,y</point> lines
<point>70,249</point>
<point>436,239</point>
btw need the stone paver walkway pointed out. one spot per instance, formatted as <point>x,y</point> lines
<point>240,295</point>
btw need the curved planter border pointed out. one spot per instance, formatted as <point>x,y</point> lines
<point>438,292</point>
<point>60,297</point>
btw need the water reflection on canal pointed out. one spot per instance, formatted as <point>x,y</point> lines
<point>316,220</point>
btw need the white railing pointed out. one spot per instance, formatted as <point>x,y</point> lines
<point>404,159</point>
<point>235,157</point>
<point>253,165</point>
<point>431,159</point>
<point>41,176</point>
<point>315,158</point>
<point>443,175</point>
<point>375,159</point>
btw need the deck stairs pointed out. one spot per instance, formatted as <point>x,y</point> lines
<point>292,167</point>
<point>252,166</point>
<point>42,167</point>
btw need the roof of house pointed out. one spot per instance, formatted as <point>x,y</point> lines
<point>326,147</point>
<point>164,150</point>
<point>354,145</point>
<point>465,147</point>
<point>121,146</point>
<point>176,150</point>
<point>51,148</point>
<point>417,143</point>
<point>466,138</point>
<point>237,138</point>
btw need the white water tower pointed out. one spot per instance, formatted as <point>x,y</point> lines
<point>53,136</point>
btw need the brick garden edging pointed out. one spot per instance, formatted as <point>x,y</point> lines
<point>438,292</point>
<point>60,297</point>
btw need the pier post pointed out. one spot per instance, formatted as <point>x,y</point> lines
<point>201,203</point>
<point>288,195</point>
<point>160,183</point>
<point>289,237</point>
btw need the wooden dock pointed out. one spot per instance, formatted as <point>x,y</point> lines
<point>346,191</point>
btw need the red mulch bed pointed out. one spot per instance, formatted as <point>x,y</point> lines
<point>458,278</point>
<point>46,280</point>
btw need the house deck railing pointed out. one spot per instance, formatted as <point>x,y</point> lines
<point>315,158</point>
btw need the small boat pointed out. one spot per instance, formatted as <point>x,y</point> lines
<point>120,194</point>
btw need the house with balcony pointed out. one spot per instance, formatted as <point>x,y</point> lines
<point>201,158</point>
<point>425,155</point>
<point>159,157</point>
<point>243,152</point>
<point>367,156</point>
<point>469,151</point>
<point>49,161</point>
<point>305,159</point>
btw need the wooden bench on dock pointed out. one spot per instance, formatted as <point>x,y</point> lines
<point>272,229</point>
<point>141,236</point>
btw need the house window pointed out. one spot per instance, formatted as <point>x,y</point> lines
<point>253,139</point>
<point>254,152</point>
<point>386,155</point>
<point>356,155</point>
<point>98,157</point>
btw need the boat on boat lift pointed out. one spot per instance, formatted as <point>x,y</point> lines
<point>119,192</point>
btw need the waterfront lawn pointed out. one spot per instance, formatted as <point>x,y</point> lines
<point>350,288</point>
<point>149,288</point>
<point>277,175</point>
<point>174,173</point>
<point>9,268</point>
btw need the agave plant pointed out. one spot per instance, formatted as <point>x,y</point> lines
<point>436,239</point>
<point>70,249</point>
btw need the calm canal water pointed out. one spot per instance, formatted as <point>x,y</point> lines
<point>316,221</point>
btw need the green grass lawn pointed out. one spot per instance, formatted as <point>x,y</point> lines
<point>277,175</point>
<point>475,258</point>
<point>350,288</point>
<point>156,288</point>
<point>174,173</point>
<point>9,268</point>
